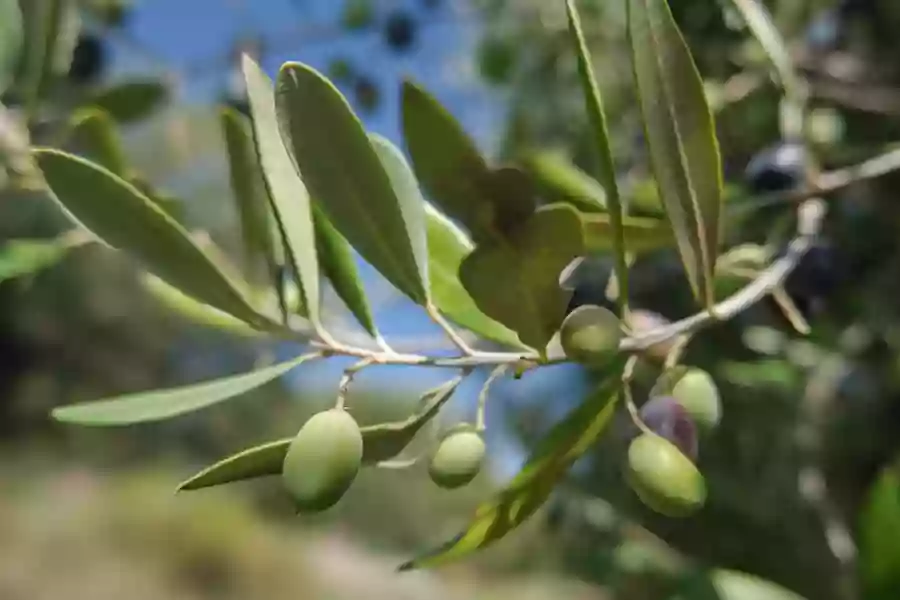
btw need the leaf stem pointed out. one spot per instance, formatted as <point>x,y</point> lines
<point>484,393</point>
<point>454,336</point>
<point>347,379</point>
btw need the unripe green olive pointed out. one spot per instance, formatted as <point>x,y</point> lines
<point>457,459</point>
<point>590,334</point>
<point>663,478</point>
<point>323,460</point>
<point>697,393</point>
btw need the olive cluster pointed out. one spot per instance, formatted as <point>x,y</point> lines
<point>662,451</point>
<point>325,457</point>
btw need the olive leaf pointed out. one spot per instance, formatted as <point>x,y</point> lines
<point>125,219</point>
<point>684,152</point>
<point>760,22</point>
<point>455,175</point>
<point>879,537</point>
<point>19,257</point>
<point>93,134</point>
<point>558,450</point>
<point>288,194</point>
<point>11,40</point>
<point>516,280</point>
<point>642,234</point>
<point>345,175</point>
<point>167,403</point>
<point>129,101</point>
<point>250,194</point>
<point>448,245</point>
<point>380,443</point>
<point>50,27</point>
<point>561,181</point>
<point>339,266</point>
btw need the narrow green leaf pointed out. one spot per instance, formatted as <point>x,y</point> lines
<point>448,245</point>
<point>44,22</point>
<point>94,137</point>
<point>21,257</point>
<point>560,448</point>
<point>339,266</point>
<point>291,203</point>
<point>165,404</point>
<point>879,537</point>
<point>563,181</point>
<point>594,103</point>
<point>130,101</point>
<point>124,219</point>
<point>516,281</point>
<point>194,311</point>
<point>642,234</point>
<point>412,203</point>
<point>11,39</point>
<point>250,194</point>
<point>380,443</point>
<point>760,22</point>
<point>454,174</point>
<point>684,152</point>
<point>345,175</point>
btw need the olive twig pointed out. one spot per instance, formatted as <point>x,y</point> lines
<point>790,311</point>
<point>347,379</point>
<point>454,336</point>
<point>496,374</point>
<point>627,377</point>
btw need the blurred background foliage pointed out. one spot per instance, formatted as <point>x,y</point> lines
<point>802,473</point>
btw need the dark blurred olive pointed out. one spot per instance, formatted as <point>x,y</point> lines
<point>89,59</point>
<point>496,59</point>
<point>367,95</point>
<point>817,277</point>
<point>340,70</point>
<point>358,14</point>
<point>777,168</point>
<point>400,31</point>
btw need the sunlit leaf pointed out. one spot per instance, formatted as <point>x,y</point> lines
<point>380,443</point>
<point>879,538</point>
<point>11,38</point>
<point>562,181</point>
<point>20,257</point>
<point>339,266</point>
<point>559,449</point>
<point>454,174</point>
<point>642,234</point>
<point>344,174</point>
<point>250,193</point>
<point>681,138</point>
<point>124,219</point>
<point>167,403</point>
<point>516,281</point>
<point>94,137</point>
<point>130,101</point>
<point>448,245</point>
<point>290,198</point>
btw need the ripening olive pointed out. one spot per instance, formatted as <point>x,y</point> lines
<point>663,478</point>
<point>697,393</point>
<point>89,59</point>
<point>457,459</point>
<point>400,30</point>
<point>590,334</point>
<point>778,168</point>
<point>666,417</point>
<point>323,460</point>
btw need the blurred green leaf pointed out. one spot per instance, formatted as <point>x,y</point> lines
<point>380,443</point>
<point>170,204</point>
<point>94,137</point>
<point>563,181</point>
<point>516,281</point>
<point>452,171</point>
<point>683,148</point>
<point>357,14</point>
<point>157,405</point>
<point>758,19</point>
<point>250,194</point>
<point>49,26</point>
<point>448,245</point>
<point>725,584</point>
<point>344,174</point>
<point>291,203</point>
<point>642,234</point>
<point>11,40</point>
<point>130,101</point>
<point>339,266</point>
<point>20,257</point>
<point>879,538</point>
<point>123,218</point>
<point>557,451</point>
<point>412,204</point>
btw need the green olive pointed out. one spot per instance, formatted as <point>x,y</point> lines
<point>590,334</point>
<point>663,478</point>
<point>457,459</point>
<point>697,393</point>
<point>323,460</point>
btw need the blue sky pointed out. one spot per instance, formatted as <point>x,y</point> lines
<point>178,35</point>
